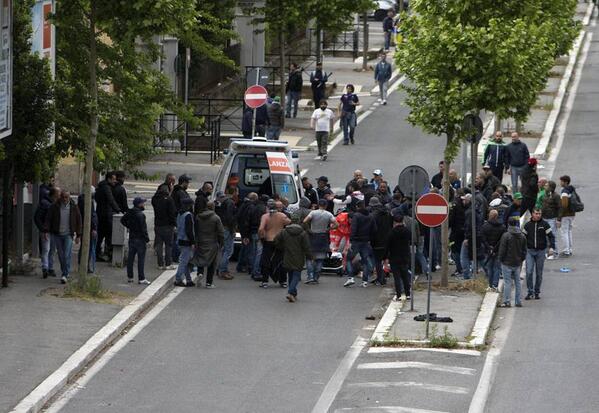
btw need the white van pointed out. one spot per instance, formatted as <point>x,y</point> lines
<point>262,166</point>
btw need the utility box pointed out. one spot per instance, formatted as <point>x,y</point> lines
<point>119,240</point>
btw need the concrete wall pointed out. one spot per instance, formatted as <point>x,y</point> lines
<point>251,37</point>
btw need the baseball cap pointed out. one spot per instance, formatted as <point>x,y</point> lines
<point>277,99</point>
<point>184,178</point>
<point>323,179</point>
<point>517,195</point>
<point>138,200</point>
<point>377,172</point>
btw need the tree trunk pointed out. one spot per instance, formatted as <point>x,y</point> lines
<point>91,148</point>
<point>7,174</point>
<point>445,226</point>
<point>365,43</point>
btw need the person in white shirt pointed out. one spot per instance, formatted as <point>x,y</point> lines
<point>322,121</point>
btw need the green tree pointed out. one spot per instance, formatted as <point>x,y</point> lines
<point>468,56</point>
<point>109,93</point>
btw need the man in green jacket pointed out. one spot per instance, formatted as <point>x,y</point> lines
<point>294,242</point>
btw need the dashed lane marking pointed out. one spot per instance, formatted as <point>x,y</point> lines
<point>416,365</point>
<point>414,384</point>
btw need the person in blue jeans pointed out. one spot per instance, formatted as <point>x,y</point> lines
<point>135,221</point>
<point>293,241</point>
<point>516,158</point>
<point>320,221</point>
<point>347,114</point>
<point>63,223</point>
<point>294,90</point>
<point>511,254</point>
<point>539,237</point>
<point>363,228</point>
<point>186,240</point>
<point>492,231</point>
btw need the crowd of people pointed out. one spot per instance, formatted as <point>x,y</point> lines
<point>368,227</point>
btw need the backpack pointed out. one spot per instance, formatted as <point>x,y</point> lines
<point>576,204</point>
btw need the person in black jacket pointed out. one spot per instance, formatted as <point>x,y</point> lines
<point>202,198</point>
<point>457,219</point>
<point>516,157</point>
<point>398,251</point>
<point>249,219</point>
<point>492,231</point>
<point>106,207</point>
<point>178,194</point>
<point>363,230</point>
<point>539,237</point>
<point>437,179</point>
<point>512,251</point>
<point>384,224</point>
<point>293,89</point>
<point>318,82</point>
<point>466,253</point>
<point>186,241</point>
<point>227,211</point>
<point>388,29</point>
<point>495,155</point>
<point>243,263</point>
<point>165,221</point>
<point>47,246</point>
<point>530,186</point>
<point>119,192</point>
<point>309,191</point>
<point>93,239</point>
<point>135,221</point>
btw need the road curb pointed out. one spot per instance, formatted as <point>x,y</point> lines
<point>479,331</point>
<point>48,388</point>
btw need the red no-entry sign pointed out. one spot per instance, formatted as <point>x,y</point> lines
<point>255,96</point>
<point>432,210</point>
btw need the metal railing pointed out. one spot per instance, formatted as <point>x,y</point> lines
<point>230,111</point>
<point>347,41</point>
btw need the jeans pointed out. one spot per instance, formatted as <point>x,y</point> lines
<point>293,279</point>
<point>493,270</point>
<point>535,260</point>
<point>175,251</point>
<point>64,248</point>
<point>401,276</point>
<point>163,245</point>
<point>137,246</point>
<point>383,87</point>
<point>273,132</point>
<point>255,255</point>
<point>292,99</point>
<point>228,246</point>
<point>183,268</point>
<point>91,262</point>
<point>314,267</point>
<point>511,273</point>
<point>47,253</point>
<point>365,250</point>
<point>322,140</point>
<point>348,124</point>
<point>566,232</point>
<point>387,40</point>
<point>242,259</point>
<point>516,173</point>
<point>553,224</point>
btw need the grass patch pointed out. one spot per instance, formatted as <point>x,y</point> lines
<point>478,285</point>
<point>88,289</point>
<point>446,340</point>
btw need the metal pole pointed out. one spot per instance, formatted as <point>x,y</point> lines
<point>35,234</point>
<point>464,163</point>
<point>6,206</point>
<point>20,225</point>
<point>254,114</point>
<point>430,277</point>
<point>413,269</point>
<point>186,97</point>
<point>473,160</point>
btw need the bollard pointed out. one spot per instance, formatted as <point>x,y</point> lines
<point>119,240</point>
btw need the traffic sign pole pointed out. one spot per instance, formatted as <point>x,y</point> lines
<point>254,114</point>
<point>414,240</point>
<point>430,263</point>
<point>473,206</point>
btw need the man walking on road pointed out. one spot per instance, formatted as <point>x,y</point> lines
<point>293,89</point>
<point>209,238</point>
<point>538,237</point>
<point>398,251</point>
<point>382,74</point>
<point>39,218</point>
<point>165,221</point>
<point>495,155</point>
<point>388,29</point>
<point>512,252</point>
<point>63,223</point>
<point>384,224</point>
<point>320,221</point>
<point>566,214</point>
<point>516,157</point>
<point>363,229</point>
<point>135,221</point>
<point>179,193</point>
<point>318,81</point>
<point>186,241</point>
<point>295,246</point>
<point>347,114</point>
<point>226,211</point>
<point>322,122</point>
<point>271,224</point>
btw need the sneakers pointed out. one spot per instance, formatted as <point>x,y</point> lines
<point>537,296</point>
<point>171,267</point>
<point>130,280</point>
<point>346,143</point>
<point>528,296</point>
<point>505,305</point>
<point>364,284</point>
<point>210,286</point>
<point>161,267</point>
<point>518,305</point>
<point>225,276</point>
<point>396,298</point>
<point>190,284</point>
<point>283,285</point>
<point>144,282</point>
<point>350,281</point>
<point>290,298</point>
<point>310,281</point>
<point>180,284</point>
<point>63,280</point>
<point>385,102</point>
<point>44,273</point>
<point>323,158</point>
<point>352,141</point>
<point>263,285</point>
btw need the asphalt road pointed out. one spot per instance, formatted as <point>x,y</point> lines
<point>549,363</point>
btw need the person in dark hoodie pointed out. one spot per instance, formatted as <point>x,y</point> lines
<point>39,218</point>
<point>384,224</point>
<point>275,119</point>
<point>457,219</point>
<point>511,254</point>
<point>293,88</point>
<point>324,191</point>
<point>516,157</point>
<point>550,211</point>
<point>186,241</point>
<point>293,241</point>
<point>466,253</point>
<point>398,251</point>
<point>119,192</point>
<point>227,212</point>
<point>202,197</point>
<point>209,239</point>
<point>135,221</point>
<point>382,193</point>
<point>363,229</point>
<point>491,182</point>
<point>309,191</point>
<point>566,216</point>
<point>539,237</point>
<point>530,186</point>
<point>179,193</point>
<point>106,207</point>
<point>492,231</point>
<point>165,221</point>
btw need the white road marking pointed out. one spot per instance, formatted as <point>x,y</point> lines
<point>84,379</point>
<point>423,386</point>
<point>416,365</point>
<point>334,385</point>
<point>386,409</point>
<point>378,350</point>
